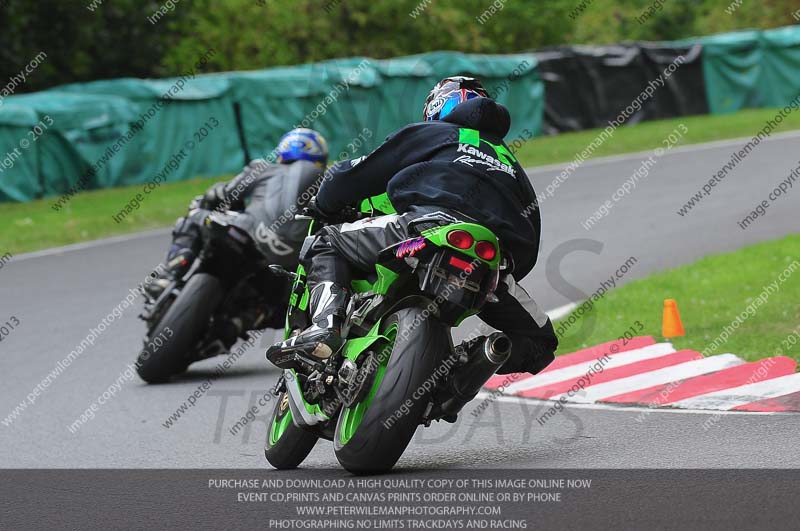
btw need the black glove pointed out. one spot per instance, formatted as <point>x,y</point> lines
<point>527,355</point>
<point>214,196</point>
<point>312,209</point>
<point>344,215</point>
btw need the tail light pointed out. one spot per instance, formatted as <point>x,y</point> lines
<point>460,239</point>
<point>463,265</point>
<point>486,250</point>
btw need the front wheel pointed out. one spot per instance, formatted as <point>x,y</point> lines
<point>180,329</point>
<point>287,445</point>
<point>372,434</point>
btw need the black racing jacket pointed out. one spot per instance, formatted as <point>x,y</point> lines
<point>270,195</point>
<point>460,163</point>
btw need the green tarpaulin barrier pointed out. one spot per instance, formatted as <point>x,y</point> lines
<point>125,132</point>
<point>53,137</point>
<point>129,131</point>
<point>356,102</point>
<point>18,173</point>
<point>752,69</point>
<point>181,128</point>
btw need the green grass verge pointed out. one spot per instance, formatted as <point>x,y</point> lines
<point>89,215</point>
<point>650,135</point>
<point>31,226</point>
<point>711,294</point>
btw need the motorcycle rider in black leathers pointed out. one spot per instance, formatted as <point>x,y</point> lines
<point>454,163</point>
<point>267,195</point>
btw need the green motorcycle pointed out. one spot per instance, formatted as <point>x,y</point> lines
<point>398,367</point>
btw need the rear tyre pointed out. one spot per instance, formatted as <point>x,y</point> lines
<point>287,445</point>
<point>363,443</point>
<point>180,329</point>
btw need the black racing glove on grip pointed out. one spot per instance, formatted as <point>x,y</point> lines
<point>213,197</point>
<point>343,216</point>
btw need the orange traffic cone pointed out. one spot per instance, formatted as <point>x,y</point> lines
<point>671,323</point>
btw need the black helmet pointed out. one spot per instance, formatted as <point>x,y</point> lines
<point>448,93</point>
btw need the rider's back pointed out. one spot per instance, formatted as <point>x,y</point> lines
<point>460,163</point>
<point>275,194</point>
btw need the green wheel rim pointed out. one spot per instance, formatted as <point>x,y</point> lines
<point>353,415</point>
<point>279,426</point>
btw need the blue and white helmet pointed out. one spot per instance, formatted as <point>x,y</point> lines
<point>302,144</point>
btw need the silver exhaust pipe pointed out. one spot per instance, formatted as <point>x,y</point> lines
<point>497,348</point>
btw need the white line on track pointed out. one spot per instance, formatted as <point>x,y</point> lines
<point>691,148</point>
<point>561,311</point>
<point>53,251</point>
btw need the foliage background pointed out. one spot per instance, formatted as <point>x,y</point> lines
<point>117,40</point>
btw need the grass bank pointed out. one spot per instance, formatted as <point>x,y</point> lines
<point>89,215</point>
<point>755,292</point>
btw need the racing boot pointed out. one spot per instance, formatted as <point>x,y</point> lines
<point>178,264</point>
<point>327,305</point>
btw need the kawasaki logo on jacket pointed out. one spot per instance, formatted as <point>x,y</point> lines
<point>487,160</point>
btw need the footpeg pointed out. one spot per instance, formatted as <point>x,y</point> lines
<point>215,348</point>
<point>281,272</point>
<point>297,358</point>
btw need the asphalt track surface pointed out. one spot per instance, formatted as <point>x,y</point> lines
<point>58,297</point>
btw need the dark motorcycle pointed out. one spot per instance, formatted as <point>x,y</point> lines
<point>227,291</point>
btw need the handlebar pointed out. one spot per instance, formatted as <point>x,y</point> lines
<point>311,212</point>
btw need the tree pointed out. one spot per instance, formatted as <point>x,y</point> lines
<point>95,39</point>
